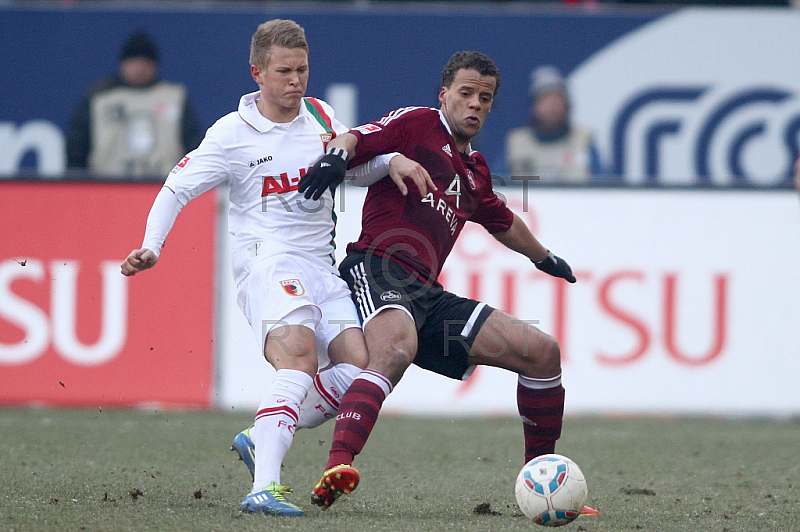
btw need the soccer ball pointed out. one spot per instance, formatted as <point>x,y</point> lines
<point>551,490</point>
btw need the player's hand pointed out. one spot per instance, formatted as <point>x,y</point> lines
<point>401,167</point>
<point>555,266</point>
<point>327,173</point>
<point>138,260</point>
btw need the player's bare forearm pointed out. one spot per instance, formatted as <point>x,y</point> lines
<point>520,239</point>
<point>346,142</point>
<point>138,260</point>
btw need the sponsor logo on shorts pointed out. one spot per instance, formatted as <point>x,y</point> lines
<point>391,295</point>
<point>293,287</point>
<point>366,129</point>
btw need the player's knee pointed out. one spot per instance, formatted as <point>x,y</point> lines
<point>357,357</point>
<point>349,348</point>
<point>392,360</point>
<point>305,362</point>
<point>551,353</point>
<point>546,361</point>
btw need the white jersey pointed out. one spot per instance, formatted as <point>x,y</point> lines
<point>262,162</point>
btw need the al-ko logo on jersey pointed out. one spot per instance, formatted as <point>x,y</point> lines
<point>293,287</point>
<point>696,97</point>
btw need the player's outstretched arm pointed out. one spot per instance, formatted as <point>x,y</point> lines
<point>520,239</point>
<point>162,216</point>
<point>555,266</point>
<point>138,260</point>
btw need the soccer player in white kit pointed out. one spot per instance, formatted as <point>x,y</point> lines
<point>300,310</point>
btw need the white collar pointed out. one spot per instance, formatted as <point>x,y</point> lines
<point>248,111</point>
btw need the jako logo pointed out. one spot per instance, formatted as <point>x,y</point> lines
<point>262,160</point>
<point>38,328</point>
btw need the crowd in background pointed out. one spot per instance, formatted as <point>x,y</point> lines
<point>135,123</point>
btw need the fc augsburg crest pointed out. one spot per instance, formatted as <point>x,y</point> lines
<point>293,287</point>
<point>326,138</point>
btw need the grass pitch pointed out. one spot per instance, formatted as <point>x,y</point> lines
<point>133,470</point>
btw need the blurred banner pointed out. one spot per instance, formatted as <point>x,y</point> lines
<point>679,96</point>
<point>686,303</point>
<point>73,330</point>
<point>699,96</point>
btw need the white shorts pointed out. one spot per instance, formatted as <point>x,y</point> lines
<point>291,289</point>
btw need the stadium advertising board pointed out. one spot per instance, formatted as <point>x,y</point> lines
<point>683,304</point>
<point>697,96</point>
<point>675,309</point>
<point>73,330</point>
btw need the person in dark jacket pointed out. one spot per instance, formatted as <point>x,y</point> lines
<point>133,124</point>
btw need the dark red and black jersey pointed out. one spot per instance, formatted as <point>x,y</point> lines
<point>419,232</point>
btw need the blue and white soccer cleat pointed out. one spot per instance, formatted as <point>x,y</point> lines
<point>246,449</point>
<point>271,501</point>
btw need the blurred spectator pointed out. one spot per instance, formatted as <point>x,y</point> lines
<point>551,146</point>
<point>797,174</point>
<point>133,124</point>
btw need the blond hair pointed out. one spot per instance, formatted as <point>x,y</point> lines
<point>276,32</point>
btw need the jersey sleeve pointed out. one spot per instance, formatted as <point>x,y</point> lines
<point>370,172</point>
<point>199,171</point>
<point>382,136</point>
<point>162,217</point>
<point>493,214</point>
<point>491,211</point>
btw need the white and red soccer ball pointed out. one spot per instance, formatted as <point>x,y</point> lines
<point>551,490</point>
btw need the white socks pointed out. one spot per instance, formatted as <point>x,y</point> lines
<point>322,402</point>
<point>294,401</point>
<point>540,384</point>
<point>275,424</point>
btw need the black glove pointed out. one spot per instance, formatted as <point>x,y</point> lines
<point>328,172</point>
<point>555,266</point>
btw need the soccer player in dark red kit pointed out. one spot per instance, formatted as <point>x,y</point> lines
<point>392,269</point>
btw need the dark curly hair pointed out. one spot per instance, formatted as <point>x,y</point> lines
<point>473,61</point>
